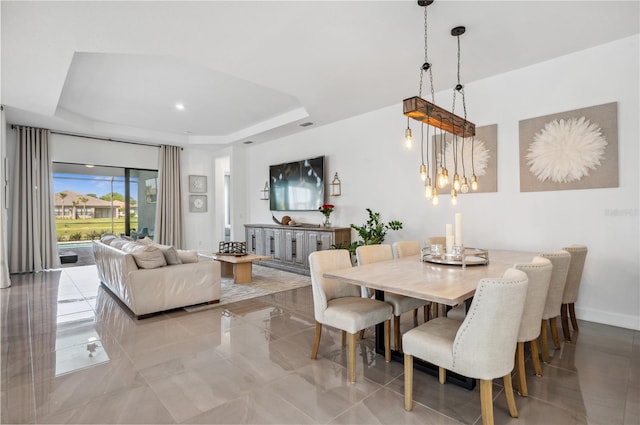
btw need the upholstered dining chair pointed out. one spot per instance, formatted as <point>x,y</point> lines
<point>560,261</point>
<point>340,305</point>
<point>572,288</point>
<point>480,347</point>
<point>539,275</point>
<point>407,249</point>
<point>368,254</point>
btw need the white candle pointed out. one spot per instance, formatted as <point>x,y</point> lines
<point>449,237</point>
<point>458,230</point>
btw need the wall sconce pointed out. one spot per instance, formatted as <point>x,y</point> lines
<point>335,187</point>
<point>264,193</point>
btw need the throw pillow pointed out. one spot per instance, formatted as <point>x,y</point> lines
<point>170,254</point>
<point>188,256</point>
<point>145,256</point>
<point>119,243</point>
<point>145,241</point>
<point>108,238</point>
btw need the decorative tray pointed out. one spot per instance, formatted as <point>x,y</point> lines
<point>472,257</point>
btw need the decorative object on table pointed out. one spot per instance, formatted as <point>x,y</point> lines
<point>264,192</point>
<point>471,257</point>
<point>335,187</point>
<point>462,131</point>
<point>373,231</point>
<point>570,150</point>
<point>197,203</point>
<point>232,248</point>
<point>326,210</point>
<point>197,184</point>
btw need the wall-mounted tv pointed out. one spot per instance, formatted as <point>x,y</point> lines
<point>297,186</point>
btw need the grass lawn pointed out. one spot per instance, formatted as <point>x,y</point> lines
<point>87,229</point>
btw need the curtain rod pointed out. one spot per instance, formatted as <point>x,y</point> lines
<point>13,126</point>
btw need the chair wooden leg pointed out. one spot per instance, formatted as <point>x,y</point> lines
<point>415,317</point>
<point>425,312</point>
<point>344,338</point>
<point>565,322</point>
<point>544,339</point>
<point>352,357</point>
<point>486,401</point>
<point>387,341</point>
<point>316,341</point>
<point>553,323</point>
<point>396,333</point>
<point>442,375</point>
<point>508,392</point>
<point>435,307</point>
<point>572,313</point>
<point>408,382</point>
<point>362,334</point>
<point>535,356</point>
<point>521,377</point>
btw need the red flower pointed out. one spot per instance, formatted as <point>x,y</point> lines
<point>326,209</point>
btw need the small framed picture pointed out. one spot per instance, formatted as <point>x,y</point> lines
<point>198,184</point>
<point>197,203</point>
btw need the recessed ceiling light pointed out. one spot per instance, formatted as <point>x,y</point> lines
<point>89,165</point>
<point>248,142</point>
<point>180,106</point>
<point>306,124</point>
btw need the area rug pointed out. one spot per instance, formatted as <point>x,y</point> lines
<point>265,281</point>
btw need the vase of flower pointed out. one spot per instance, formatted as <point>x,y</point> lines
<point>326,210</point>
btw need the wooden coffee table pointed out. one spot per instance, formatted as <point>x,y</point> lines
<point>237,266</point>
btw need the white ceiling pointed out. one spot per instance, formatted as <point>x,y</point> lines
<point>257,70</point>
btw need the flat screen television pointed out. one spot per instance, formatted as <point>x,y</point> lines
<point>297,186</point>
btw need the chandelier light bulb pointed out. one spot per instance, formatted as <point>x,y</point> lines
<point>464,186</point>
<point>454,197</point>
<point>428,189</point>
<point>408,138</point>
<point>456,182</point>
<point>423,172</point>
<point>435,200</point>
<point>474,182</point>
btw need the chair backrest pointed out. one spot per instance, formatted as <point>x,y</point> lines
<point>367,254</point>
<point>485,344</point>
<point>325,290</point>
<point>574,276</point>
<point>539,274</point>
<point>406,248</point>
<point>560,260</point>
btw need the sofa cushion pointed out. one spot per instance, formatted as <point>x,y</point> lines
<point>170,254</point>
<point>145,256</point>
<point>188,256</point>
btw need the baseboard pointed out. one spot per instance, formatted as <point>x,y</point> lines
<point>608,318</point>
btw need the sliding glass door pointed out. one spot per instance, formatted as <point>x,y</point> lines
<point>91,201</point>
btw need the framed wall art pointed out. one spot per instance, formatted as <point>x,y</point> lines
<point>570,150</point>
<point>197,184</point>
<point>197,203</point>
<point>485,157</point>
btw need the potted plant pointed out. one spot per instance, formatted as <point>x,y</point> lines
<point>373,231</point>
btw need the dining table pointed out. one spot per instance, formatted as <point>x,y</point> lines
<point>444,282</point>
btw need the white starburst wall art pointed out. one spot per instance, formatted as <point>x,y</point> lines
<point>570,150</point>
<point>485,157</point>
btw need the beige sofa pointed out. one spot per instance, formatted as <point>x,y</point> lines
<point>147,283</point>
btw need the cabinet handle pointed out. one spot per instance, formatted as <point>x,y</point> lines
<point>253,243</point>
<point>293,247</point>
<point>272,245</point>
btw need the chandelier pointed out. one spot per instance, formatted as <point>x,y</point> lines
<point>458,128</point>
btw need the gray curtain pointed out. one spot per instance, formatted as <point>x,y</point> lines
<point>168,229</point>
<point>5,280</point>
<point>33,232</point>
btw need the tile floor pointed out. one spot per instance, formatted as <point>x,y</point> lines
<point>70,354</point>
